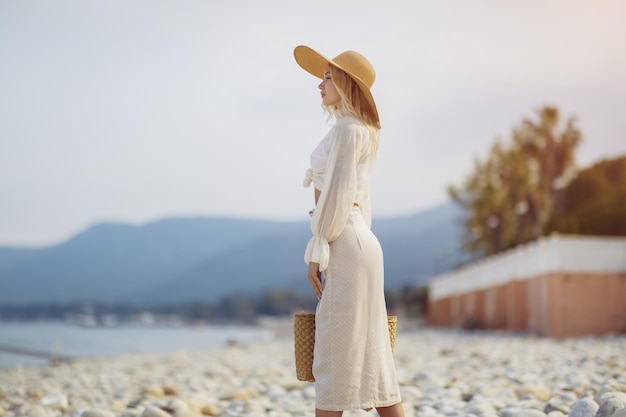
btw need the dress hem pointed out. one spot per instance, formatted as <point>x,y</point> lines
<point>388,403</point>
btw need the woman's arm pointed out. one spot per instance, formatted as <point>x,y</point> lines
<point>338,193</point>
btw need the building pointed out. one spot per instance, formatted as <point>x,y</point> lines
<point>558,286</point>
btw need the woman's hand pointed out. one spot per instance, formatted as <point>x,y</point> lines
<point>315,279</point>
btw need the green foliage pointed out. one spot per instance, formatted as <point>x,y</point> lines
<point>410,301</point>
<point>511,195</point>
<point>282,302</point>
<point>594,203</point>
<point>238,308</point>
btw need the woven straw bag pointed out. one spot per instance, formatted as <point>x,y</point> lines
<point>304,341</point>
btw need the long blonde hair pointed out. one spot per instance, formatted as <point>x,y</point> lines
<point>354,103</point>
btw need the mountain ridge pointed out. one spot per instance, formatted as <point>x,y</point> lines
<point>202,259</point>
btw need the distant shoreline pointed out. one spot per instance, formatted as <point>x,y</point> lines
<point>36,343</point>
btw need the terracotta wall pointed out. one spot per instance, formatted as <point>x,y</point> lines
<point>588,304</point>
<point>516,306</point>
<point>555,305</point>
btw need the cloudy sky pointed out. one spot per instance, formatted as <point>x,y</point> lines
<point>133,111</point>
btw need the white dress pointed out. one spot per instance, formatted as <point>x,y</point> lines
<point>353,362</point>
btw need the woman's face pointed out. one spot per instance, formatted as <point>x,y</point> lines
<point>330,96</point>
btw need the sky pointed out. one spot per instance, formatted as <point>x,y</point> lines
<point>135,111</point>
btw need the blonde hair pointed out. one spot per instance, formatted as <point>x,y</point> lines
<point>354,103</point>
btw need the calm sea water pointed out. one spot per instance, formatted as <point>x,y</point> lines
<point>75,341</point>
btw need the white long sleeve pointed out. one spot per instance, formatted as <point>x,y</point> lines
<point>345,184</point>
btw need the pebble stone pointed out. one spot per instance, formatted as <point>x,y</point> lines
<point>442,373</point>
<point>609,407</point>
<point>585,407</point>
<point>95,412</point>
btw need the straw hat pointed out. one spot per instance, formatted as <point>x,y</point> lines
<point>353,63</point>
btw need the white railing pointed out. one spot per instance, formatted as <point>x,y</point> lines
<point>556,253</point>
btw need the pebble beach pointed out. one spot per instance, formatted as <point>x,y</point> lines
<point>442,373</point>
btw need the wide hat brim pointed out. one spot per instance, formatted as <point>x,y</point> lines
<point>315,63</point>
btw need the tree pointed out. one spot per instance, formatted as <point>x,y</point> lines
<point>491,203</point>
<point>509,197</point>
<point>553,151</point>
<point>594,202</point>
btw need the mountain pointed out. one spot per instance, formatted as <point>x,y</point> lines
<point>203,259</point>
<point>420,246</point>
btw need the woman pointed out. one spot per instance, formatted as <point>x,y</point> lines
<point>353,363</point>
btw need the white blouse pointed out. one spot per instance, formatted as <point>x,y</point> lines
<point>340,168</point>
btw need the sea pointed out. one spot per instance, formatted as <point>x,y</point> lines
<point>28,343</point>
